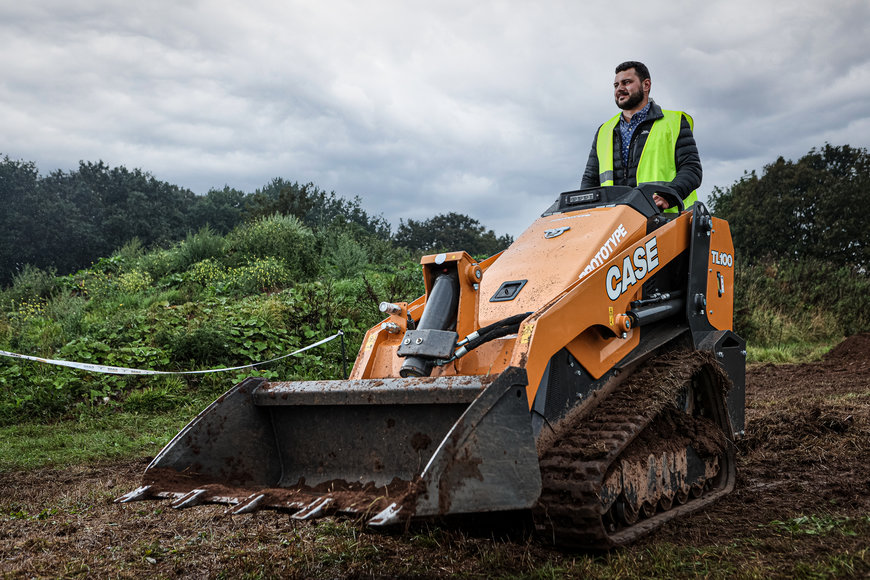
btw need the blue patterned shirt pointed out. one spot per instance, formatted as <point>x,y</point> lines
<point>626,130</point>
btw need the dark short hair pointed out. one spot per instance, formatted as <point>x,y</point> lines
<point>639,67</point>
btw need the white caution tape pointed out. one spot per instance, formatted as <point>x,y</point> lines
<point>125,371</point>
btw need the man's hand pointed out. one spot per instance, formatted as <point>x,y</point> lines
<point>660,201</point>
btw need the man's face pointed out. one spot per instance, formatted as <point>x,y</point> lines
<point>628,90</point>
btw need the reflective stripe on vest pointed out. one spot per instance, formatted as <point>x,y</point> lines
<point>657,158</point>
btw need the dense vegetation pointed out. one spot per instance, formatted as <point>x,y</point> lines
<point>261,275</point>
<point>451,230</point>
<point>66,220</point>
<point>791,309</point>
<point>265,289</point>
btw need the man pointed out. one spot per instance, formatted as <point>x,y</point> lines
<point>643,143</point>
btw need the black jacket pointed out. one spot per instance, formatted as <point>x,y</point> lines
<point>686,157</point>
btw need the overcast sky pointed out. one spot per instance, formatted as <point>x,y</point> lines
<point>420,108</point>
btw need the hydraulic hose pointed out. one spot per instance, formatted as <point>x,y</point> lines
<point>509,321</point>
<point>503,327</point>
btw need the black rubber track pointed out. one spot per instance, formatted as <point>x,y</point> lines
<point>569,513</point>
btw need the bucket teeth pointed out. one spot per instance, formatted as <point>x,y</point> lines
<point>140,493</point>
<point>313,510</point>
<point>389,515</point>
<point>190,499</point>
<point>248,505</point>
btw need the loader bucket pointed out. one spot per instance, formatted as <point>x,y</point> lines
<point>389,448</point>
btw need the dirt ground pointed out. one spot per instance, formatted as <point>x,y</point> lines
<point>806,453</point>
<point>803,496</point>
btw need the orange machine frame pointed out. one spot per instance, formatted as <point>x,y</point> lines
<point>585,317</point>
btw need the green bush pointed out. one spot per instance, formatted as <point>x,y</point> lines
<point>30,284</point>
<point>207,273</point>
<point>96,283</point>
<point>134,281</point>
<point>277,236</point>
<point>130,252</point>
<point>345,256</point>
<point>69,310</point>
<point>205,244</point>
<point>261,275</point>
<point>158,263</point>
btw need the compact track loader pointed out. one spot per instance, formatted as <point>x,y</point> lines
<point>588,373</point>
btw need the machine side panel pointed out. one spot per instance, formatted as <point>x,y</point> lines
<point>720,277</point>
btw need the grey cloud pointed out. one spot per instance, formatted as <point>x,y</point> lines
<point>420,108</point>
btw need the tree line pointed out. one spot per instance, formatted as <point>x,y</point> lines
<point>810,209</point>
<point>65,220</point>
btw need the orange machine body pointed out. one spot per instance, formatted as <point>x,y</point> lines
<point>575,274</point>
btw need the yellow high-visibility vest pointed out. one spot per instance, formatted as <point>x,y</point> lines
<point>657,158</point>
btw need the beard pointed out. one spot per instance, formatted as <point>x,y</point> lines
<point>634,99</point>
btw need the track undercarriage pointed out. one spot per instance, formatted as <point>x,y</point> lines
<point>654,449</point>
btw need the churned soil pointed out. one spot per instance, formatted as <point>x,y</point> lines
<point>804,462</point>
<point>803,493</point>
